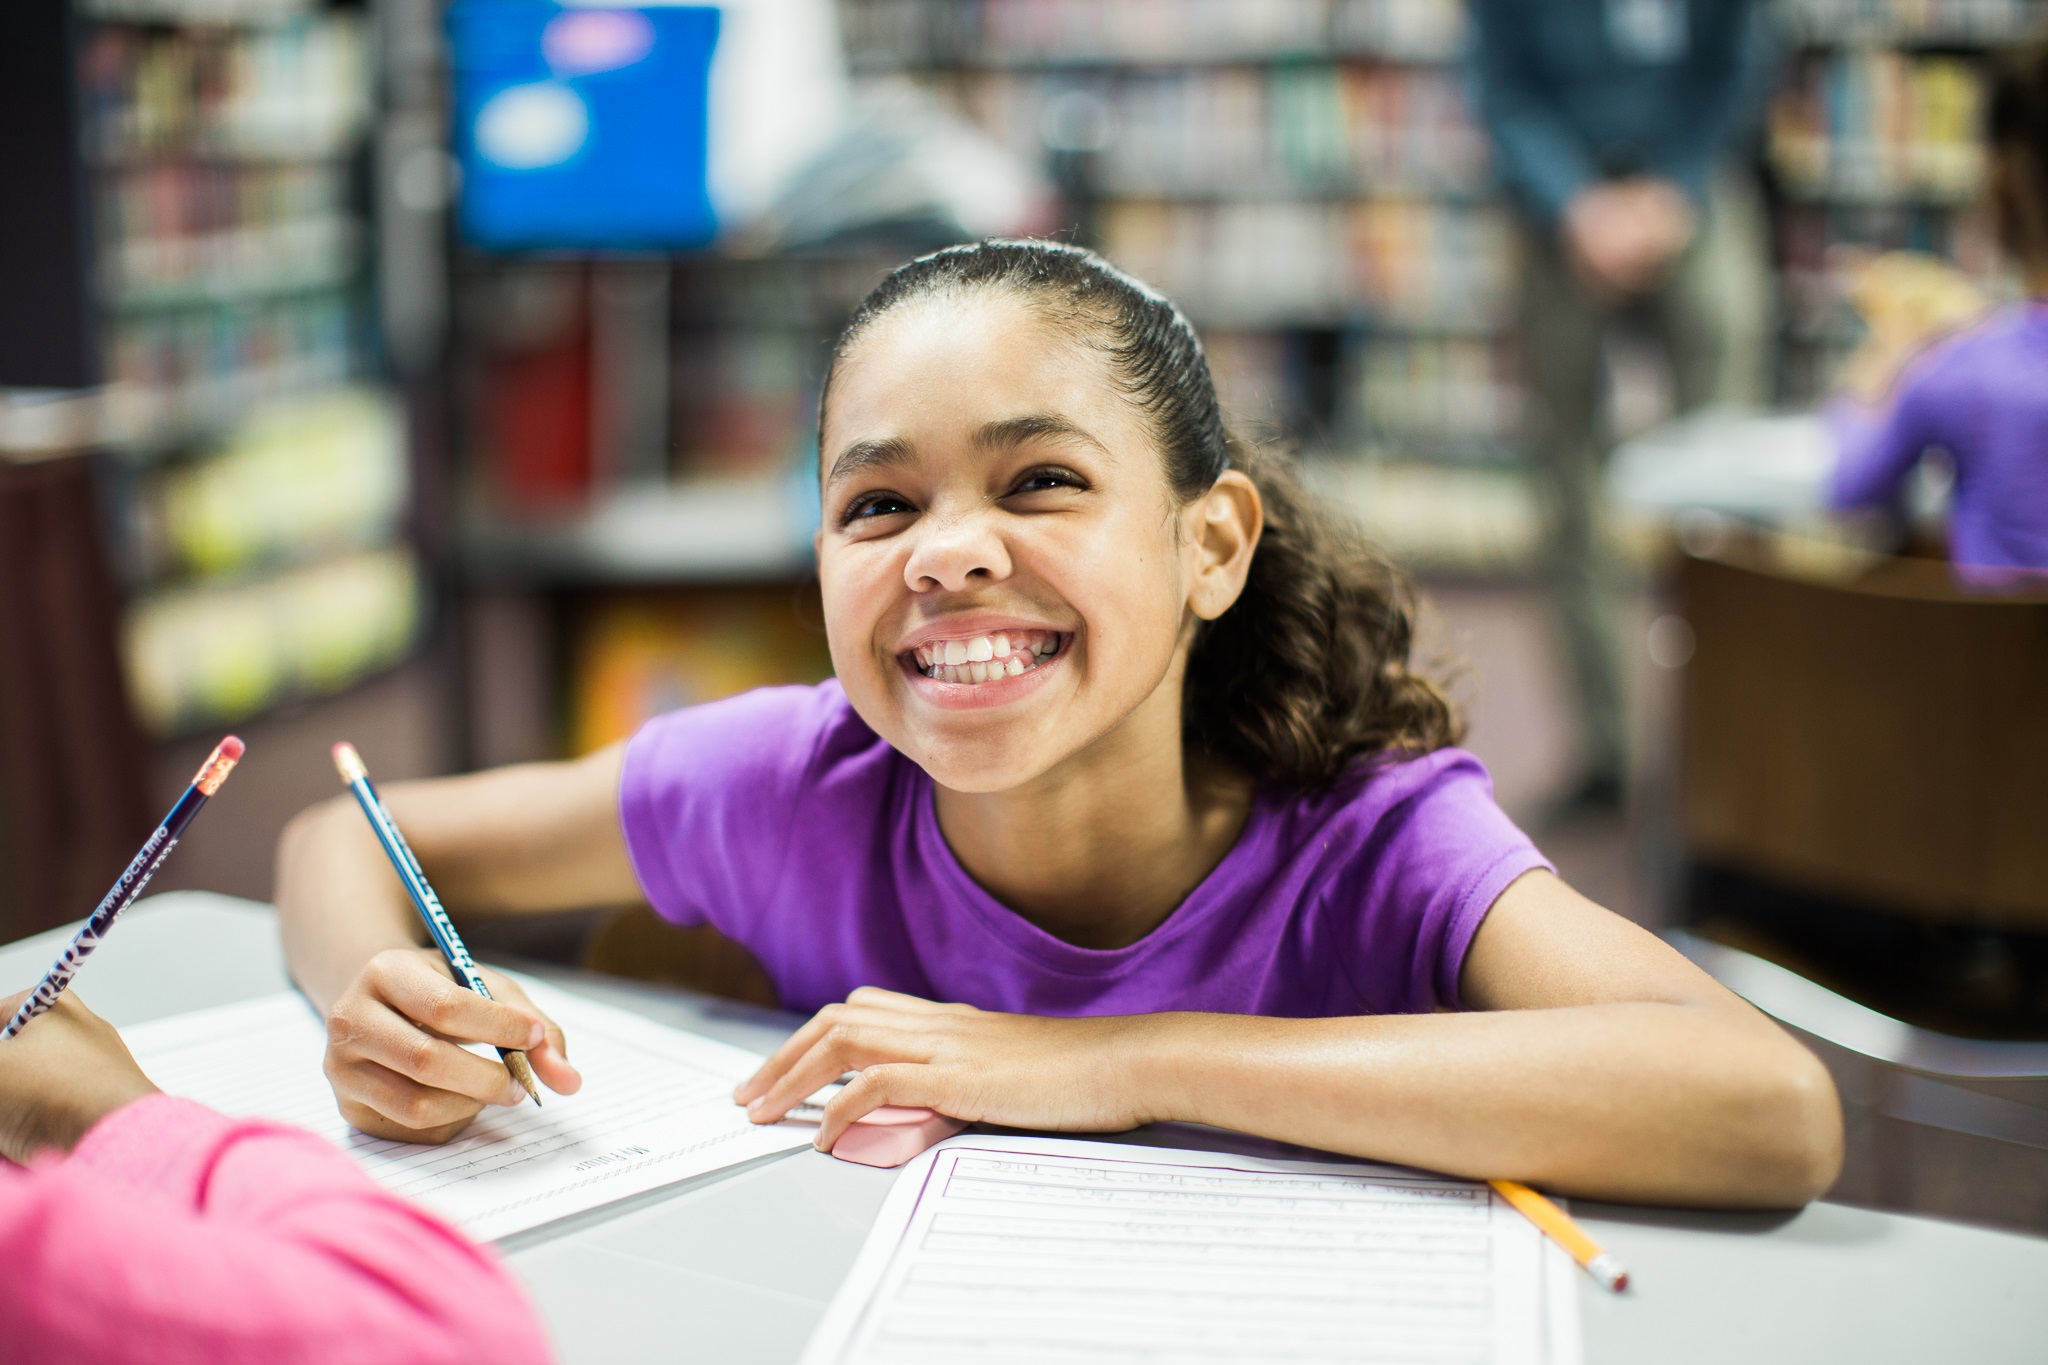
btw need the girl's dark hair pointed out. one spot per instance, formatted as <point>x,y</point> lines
<point>1308,670</point>
<point>2017,126</point>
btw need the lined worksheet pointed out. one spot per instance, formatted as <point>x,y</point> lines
<point>656,1107</point>
<point>1005,1250</point>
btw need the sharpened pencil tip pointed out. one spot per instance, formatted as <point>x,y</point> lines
<point>522,1072</point>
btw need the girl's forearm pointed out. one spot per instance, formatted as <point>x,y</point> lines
<point>339,903</point>
<point>1664,1103</point>
<point>532,838</point>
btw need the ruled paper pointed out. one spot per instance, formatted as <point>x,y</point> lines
<point>656,1107</point>
<point>1007,1250</point>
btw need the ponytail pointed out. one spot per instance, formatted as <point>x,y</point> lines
<point>1307,671</point>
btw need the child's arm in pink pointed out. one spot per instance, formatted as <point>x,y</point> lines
<point>174,1235</point>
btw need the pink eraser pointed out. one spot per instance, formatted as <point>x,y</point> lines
<point>892,1134</point>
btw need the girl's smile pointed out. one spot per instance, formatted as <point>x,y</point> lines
<point>969,662</point>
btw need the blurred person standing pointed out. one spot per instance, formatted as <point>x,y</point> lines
<point>1614,124</point>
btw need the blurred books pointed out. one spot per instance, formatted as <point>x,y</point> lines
<point>638,655</point>
<point>298,480</point>
<point>293,89</point>
<point>1241,132</point>
<point>1880,125</point>
<point>1408,262</point>
<point>230,247</point>
<point>1867,22</point>
<point>1000,32</point>
<point>218,653</point>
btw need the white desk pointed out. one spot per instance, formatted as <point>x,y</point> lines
<point>735,1268</point>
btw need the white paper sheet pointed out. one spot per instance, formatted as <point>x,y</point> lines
<point>999,1250</point>
<point>656,1107</point>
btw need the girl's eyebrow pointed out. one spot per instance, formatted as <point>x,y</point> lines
<point>882,454</point>
<point>894,450</point>
<point>1036,427</point>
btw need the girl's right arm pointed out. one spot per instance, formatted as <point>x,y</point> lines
<point>520,840</point>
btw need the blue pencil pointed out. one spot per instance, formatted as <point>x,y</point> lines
<point>350,765</point>
<point>129,885</point>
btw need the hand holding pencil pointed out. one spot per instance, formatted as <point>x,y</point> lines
<point>395,1054</point>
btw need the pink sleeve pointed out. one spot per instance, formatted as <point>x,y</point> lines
<point>175,1236</point>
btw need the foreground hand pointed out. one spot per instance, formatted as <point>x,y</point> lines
<point>59,1076</point>
<point>392,1056</point>
<point>1020,1070</point>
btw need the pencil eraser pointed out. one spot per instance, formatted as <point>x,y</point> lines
<point>347,762</point>
<point>892,1134</point>
<point>232,748</point>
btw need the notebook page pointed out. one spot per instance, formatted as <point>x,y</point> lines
<point>1004,1250</point>
<point>656,1107</point>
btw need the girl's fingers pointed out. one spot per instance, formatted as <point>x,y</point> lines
<point>551,1064</point>
<point>875,997</point>
<point>392,1042</point>
<point>845,1046</point>
<point>784,1057</point>
<point>895,1083</point>
<point>868,1004</point>
<point>411,985</point>
<point>550,1056</point>
<point>383,1103</point>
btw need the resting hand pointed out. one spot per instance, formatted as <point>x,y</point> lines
<point>1020,1070</point>
<point>392,1056</point>
<point>1623,235</point>
<point>59,1076</point>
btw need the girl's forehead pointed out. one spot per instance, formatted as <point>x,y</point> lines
<point>967,360</point>
<point>968,323</point>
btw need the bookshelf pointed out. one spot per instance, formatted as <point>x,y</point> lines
<point>1305,177</point>
<point>260,477</point>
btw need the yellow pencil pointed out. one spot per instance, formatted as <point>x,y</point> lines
<point>1559,1227</point>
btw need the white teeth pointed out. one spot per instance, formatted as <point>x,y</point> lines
<point>985,658</point>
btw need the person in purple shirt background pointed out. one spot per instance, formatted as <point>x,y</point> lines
<point>1981,396</point>
<point>1124,806</point>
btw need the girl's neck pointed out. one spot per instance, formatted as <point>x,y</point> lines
<point>1099,851</point>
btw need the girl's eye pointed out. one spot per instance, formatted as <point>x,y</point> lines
<point>872,505</point>
<point>1041,480</point>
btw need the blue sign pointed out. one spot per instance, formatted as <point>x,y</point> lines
<point>583,129</point>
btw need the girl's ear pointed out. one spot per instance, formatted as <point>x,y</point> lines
<point>1221,531</point>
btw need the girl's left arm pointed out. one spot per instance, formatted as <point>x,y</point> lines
<point>1594,1060</point>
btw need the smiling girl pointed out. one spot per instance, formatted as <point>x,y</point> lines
<point>1123,807</point>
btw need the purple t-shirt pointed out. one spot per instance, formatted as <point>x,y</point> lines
<point>780,818</point>
<point>1983,397</point>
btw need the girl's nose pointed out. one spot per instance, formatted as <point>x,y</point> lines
<point>953,555</point>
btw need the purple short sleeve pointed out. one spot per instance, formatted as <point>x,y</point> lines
<point>1440,853</point>
<point>706,797</point>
